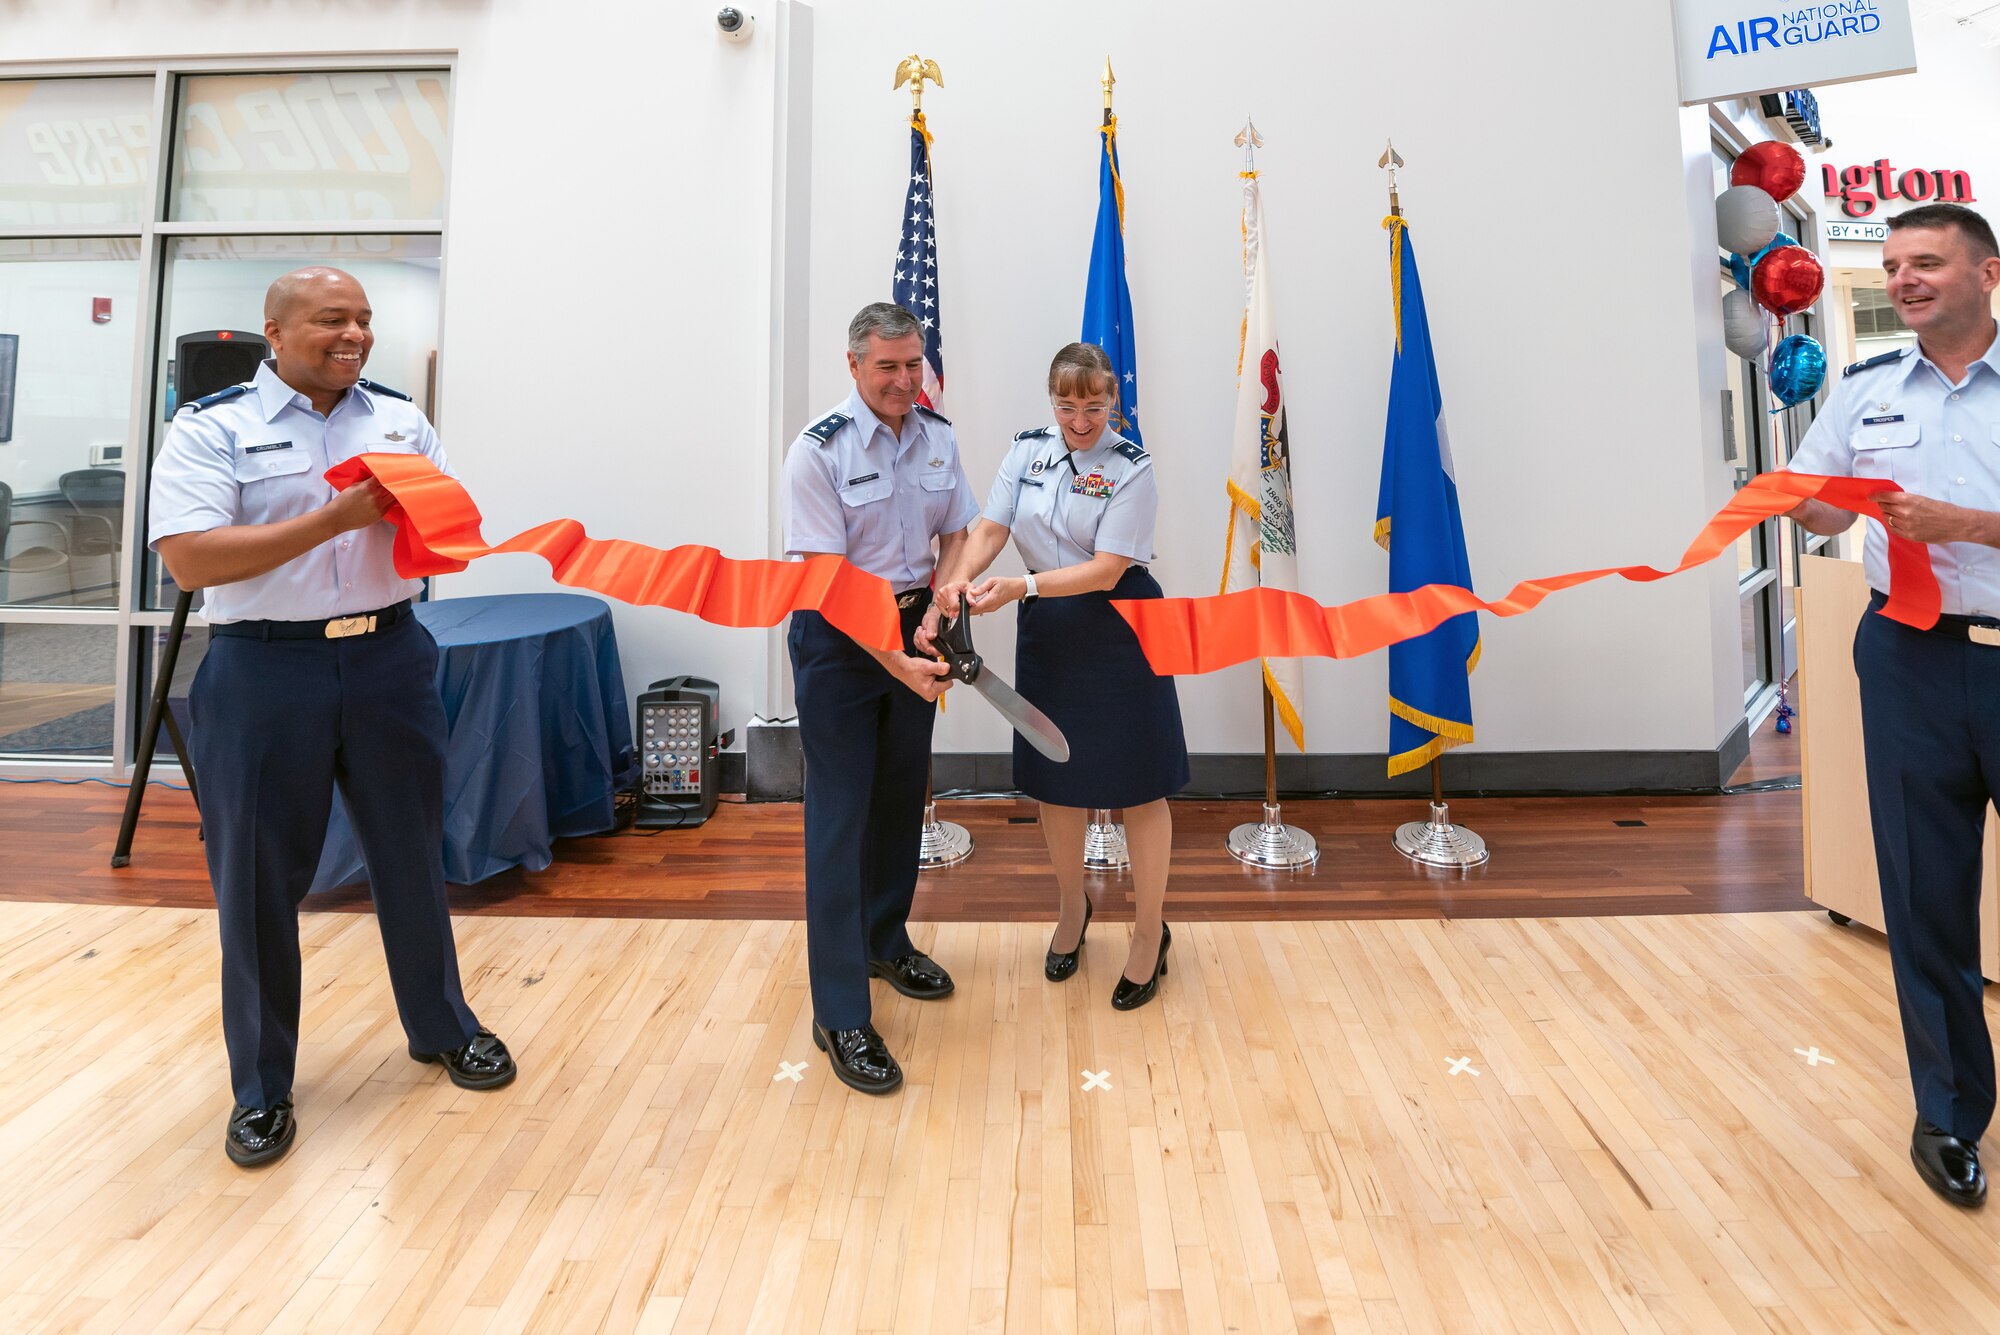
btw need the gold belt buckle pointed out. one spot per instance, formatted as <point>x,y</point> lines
<point>341,627</point>
<point>907,600</point>
<point>1983,634</point>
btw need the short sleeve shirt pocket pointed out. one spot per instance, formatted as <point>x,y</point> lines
<point>940,487</point>
<point>858,495</point>
<point>276,484</point>
<point>1889,451</point>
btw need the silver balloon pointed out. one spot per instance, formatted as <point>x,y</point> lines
<point>1746,218</point>
<point>1745,325</point>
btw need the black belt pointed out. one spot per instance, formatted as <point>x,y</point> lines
<point>332,628</point>
<point>1979,630</point>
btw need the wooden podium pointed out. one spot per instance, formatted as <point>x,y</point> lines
<point>1840,846</point>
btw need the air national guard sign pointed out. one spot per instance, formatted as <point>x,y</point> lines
<point>1738,48</point>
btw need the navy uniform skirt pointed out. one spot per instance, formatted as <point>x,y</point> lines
<point>1079,663</point>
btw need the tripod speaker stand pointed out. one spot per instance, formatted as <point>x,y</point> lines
<point>149,734</point>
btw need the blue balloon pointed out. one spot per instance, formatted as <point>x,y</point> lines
<point>1781,239</point>
<point>1798,369</point>
<point>1739,267</point>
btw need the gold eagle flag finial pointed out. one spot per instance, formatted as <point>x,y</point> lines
<point>914,70</point>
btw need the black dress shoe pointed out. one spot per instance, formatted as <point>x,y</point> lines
<point>1060,964</point>
<point>860,1058</point>
<point>259,1135</point>
<point>914,975</point>
<point>1949,1166</point>
<point>1129,995</point>
<point>482,1062</point>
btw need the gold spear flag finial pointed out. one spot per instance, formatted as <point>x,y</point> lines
<point>914,70</point>
<point>1249,141</point>
<point>1391,160</point>
<point>1107,81</point>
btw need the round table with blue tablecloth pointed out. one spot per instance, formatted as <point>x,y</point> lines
<point>540,737</point>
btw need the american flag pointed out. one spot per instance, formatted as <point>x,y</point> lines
<point>916,289</point>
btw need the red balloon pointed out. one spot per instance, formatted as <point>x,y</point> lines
<point>1787,280</point>
<point>1775,168</point>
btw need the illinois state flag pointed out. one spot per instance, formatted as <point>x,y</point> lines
<point>1261,543</point>
<point>1416,520</point>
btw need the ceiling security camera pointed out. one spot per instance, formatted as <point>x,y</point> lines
<point>734,24</point>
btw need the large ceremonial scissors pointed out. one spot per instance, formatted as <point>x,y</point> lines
<point>954,645</point>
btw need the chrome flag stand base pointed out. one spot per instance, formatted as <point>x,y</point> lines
<point>944,844</point>
<point>1104,843</point>
<point>1272,843</point>
<point>1438,843</point>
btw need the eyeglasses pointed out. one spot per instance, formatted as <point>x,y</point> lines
<point>1089,412</point>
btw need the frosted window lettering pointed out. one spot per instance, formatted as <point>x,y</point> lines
<point>366,145</point>
<point>74,152</point>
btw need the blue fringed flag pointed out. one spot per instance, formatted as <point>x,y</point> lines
<point>1107,303</point>
<point>1417,522</point>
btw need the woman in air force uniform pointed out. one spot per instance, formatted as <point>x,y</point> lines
<point>1079,501</point>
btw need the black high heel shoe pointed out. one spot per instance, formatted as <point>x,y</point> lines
<point>1129,995</point>
<point>1059,965</point>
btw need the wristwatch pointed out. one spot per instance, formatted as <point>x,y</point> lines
<point>1031,594</point>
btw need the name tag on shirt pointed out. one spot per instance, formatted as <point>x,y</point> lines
<point>275,445</point>
<point>1031,482</point>
<point>1881,421</point>
<point>866,477</point>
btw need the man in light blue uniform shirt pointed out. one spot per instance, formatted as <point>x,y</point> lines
<point>878,482</point>
<point>316,675</point>
<point>1928,419</point>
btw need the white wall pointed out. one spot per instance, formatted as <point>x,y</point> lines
<point>608,297</point>
<point>1549,193</point>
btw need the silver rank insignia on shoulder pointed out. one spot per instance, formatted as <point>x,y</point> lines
<point>394,435</point>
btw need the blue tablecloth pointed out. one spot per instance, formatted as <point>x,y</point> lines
<point>540,737</point>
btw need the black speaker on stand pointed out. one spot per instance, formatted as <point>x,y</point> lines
<point>203,363</point>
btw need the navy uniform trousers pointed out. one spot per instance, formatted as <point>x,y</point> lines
<point>1930,726</point>
<point>277,722</point>
<point>867,743</point>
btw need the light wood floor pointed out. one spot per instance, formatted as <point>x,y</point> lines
<point>1281,1144</point>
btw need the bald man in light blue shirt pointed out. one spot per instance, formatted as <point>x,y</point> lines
<point>317,676</point>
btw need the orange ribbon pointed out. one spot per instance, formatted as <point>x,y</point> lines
<point>1191,635</point>
<point>437,533</point>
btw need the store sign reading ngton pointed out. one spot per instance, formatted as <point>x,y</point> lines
<point>1860,188</point>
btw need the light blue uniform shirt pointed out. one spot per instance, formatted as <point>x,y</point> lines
<point>1901,419</point>
<point>859,490</point>
<point>1065,506</point>
<point>261,457</point>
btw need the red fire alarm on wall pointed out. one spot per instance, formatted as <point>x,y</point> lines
<point>100,310</point>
